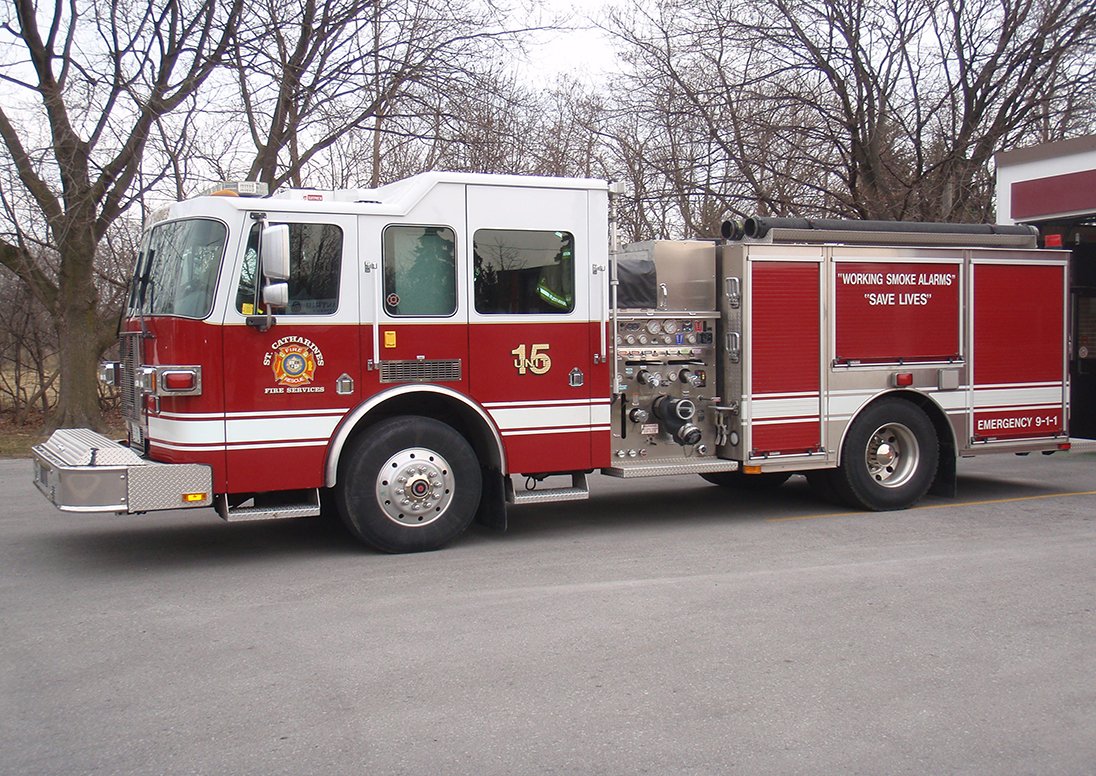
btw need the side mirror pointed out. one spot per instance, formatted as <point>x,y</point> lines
<point>275,252</point>
<point>276,295</point>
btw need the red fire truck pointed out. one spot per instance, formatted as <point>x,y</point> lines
<point>401,355</point>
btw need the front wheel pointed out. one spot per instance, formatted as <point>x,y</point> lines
<point>889,457</point>
<point>408,484</point>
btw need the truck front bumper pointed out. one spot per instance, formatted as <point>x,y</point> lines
<point>80,470</point>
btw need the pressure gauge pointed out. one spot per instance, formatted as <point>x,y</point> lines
<point>670,327</point>
<point>690,338</point>
<point>630,339</point>
<point>642,339</point>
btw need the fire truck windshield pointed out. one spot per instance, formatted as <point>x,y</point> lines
<point>177,269</point>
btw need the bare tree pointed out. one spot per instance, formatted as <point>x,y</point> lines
<point>97,76</point>
<point>314,76</point>
<point>851,108</point>
<point>28,348</point>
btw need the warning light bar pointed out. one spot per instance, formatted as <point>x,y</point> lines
<point>237,188</point>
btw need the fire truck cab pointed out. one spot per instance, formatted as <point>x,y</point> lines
<point>401,355</point>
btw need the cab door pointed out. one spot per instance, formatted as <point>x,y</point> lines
<point>287,388</point>
<point>412,306</point>
<point>531,337</point>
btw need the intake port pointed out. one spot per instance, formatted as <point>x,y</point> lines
<point>674,416</point>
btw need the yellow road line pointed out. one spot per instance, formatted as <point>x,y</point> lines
<point>940,506</point>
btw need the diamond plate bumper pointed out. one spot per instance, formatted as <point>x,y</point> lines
<point>80,470</point>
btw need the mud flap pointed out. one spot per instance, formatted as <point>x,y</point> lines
<point>492,507</point>
<point>946,483</point>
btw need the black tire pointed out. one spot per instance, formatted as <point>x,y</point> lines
<point>740,481</point>
<point>408,484</point>
<point>889,457</point>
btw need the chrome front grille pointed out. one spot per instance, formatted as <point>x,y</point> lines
<point>129,347</point>
<point>421,371</point>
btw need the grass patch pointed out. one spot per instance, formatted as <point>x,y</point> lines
<point>16,439</point>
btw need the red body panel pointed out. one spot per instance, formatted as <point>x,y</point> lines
<point>185,342</point>
<point>521,374</point>
<point>786,341</point>
<point>896,312</point>
<point>262,428</point>
<point>1019,369</point>
<point>1018,320</point>
<point>278,425</point>
<point>1015,424</point>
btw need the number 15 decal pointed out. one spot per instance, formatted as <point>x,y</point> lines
<point>538,362</point>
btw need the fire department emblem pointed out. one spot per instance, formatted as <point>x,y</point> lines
<point>294,361</point>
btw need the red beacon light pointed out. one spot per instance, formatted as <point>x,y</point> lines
<point>178,381</point>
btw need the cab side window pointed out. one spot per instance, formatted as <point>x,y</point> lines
<point>315,265</point>
<point>420,271</point>
<point>523,272</point>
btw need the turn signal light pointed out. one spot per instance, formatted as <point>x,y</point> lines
<point>194,498</point>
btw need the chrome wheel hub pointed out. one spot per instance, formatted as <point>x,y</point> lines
<point>892,455</point>
<point>415,487</point>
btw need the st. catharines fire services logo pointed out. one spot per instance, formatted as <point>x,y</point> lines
<point>294,361</point>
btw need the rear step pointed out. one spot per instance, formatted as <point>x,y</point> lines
<point>579,491</point>
<point>291,507</point>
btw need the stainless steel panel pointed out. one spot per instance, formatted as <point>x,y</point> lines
<point>80,470</point>
<point>685,269</point>
<point>84,447</point>
<point>83,489</point>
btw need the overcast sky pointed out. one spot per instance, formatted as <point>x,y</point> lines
<point>583,51</point>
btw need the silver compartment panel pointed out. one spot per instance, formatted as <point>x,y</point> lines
<point>80,470</point>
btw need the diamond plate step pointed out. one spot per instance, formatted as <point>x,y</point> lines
<point>662,468</point>
<point>285,511</point>
<point>579,491</point>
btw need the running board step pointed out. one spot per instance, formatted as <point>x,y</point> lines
<point>579,491</point>
<point>282,511</point>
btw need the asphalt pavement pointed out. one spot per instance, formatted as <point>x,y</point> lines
<point>662,627</point>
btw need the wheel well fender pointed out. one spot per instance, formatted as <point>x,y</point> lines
<point>430,401</point>
<point>945,432</point>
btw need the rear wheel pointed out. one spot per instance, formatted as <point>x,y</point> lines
<point>408,484</point>
<point>889,457</point>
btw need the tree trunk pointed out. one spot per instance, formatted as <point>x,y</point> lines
<point>78,338</point>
